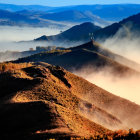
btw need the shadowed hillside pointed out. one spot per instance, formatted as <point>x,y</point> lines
<point>45,101</point>
<point>90,54</point>
<point>128,26</point>
<point>76,33</point>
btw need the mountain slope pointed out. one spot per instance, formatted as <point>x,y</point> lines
<point>76,33</point>
<point>90,54</point>
<point>45,101</point>
<point>130,25</point>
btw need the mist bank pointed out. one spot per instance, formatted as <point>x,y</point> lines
<point>126,87</point>
<point>15,33</point>
<point>11,37</point>
<point>127,46</point>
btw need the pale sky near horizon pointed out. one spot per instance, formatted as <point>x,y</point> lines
<point>66,2</point>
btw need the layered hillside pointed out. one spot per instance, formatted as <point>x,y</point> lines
<point>45,101</point>
<point>90,54</point>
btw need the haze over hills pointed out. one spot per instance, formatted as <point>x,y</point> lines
<point>45,101</point>
<point>90,54</point>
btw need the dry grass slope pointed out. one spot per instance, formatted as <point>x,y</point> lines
<point>45,101</point>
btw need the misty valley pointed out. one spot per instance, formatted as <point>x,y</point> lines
<point>70,72</point>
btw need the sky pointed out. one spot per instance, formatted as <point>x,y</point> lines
<point>66,2</point>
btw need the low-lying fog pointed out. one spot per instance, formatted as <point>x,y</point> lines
<point>128,88</point>
<point>128,46</point>
<point>11,34</point>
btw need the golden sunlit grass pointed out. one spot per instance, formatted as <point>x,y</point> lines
<point>4,67</point>
<point>58,94</point>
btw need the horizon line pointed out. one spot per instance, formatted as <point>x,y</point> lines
<point>70,5</point>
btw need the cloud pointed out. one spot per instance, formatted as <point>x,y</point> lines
<point>125,87</point>
<point>128,46</point>
<point>119,86</point>
<point>14,33</point>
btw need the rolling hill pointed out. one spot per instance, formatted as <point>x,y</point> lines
<point>44,101</point>
<point>76,33</point>
<point>90,54</point>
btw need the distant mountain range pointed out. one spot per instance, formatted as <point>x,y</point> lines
<point>36,15</point>
<point>130,25</point>
<point>18,19</point>
<point>75,16</point>
<point>40,18</point>
<point>15,8</point>
<point>115,12</point>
